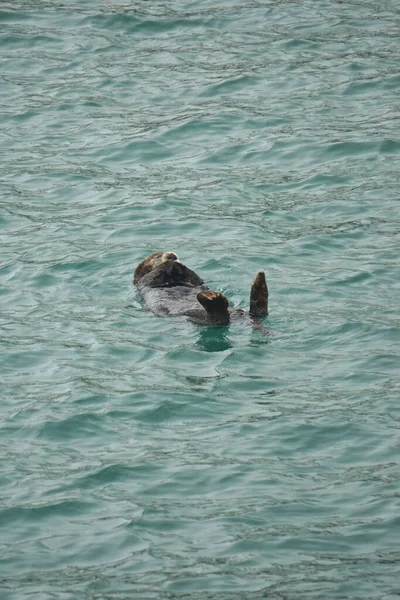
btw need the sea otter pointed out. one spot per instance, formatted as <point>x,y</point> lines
<point>168,287</point>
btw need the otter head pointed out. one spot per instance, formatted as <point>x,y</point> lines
<point>216,307</point>
<point>152,262</point>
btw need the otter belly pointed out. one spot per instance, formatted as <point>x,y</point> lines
<point>173,301</point>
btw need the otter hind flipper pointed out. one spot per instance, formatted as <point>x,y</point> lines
<point>259,296</point>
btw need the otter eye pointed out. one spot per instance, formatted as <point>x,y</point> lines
<point>171,256</point>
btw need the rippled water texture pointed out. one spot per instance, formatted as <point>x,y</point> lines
<point>149,458</point>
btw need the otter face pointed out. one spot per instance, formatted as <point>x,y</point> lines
<point>152,262</point>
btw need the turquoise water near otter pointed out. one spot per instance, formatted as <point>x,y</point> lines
<point>149,458</point>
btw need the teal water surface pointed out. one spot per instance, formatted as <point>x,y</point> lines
<point>150,458</point>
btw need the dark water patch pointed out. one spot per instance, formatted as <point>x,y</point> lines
<point>229,85</point>
<point>107,475</point>
<point>351,148</point>
<point>81,425</point>
<point>13,16</point>
<point>357,278</point>
<point>390,147</point>
<point>166,407</point>
<point>140,23</point>
<point>35,514</point>
<point>375,84</point>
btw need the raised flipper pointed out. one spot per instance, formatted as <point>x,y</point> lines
<point>216,307</point>
<point>259,296</point>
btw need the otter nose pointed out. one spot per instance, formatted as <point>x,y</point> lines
<point>171,256</point>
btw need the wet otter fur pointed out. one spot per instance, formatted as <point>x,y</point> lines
<point>168,287</point>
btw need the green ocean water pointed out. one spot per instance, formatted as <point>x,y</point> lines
<point>151,458</point>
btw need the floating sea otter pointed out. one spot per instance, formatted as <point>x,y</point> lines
<point>170,288</point>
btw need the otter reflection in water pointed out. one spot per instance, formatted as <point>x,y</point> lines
<point>170,288</point>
